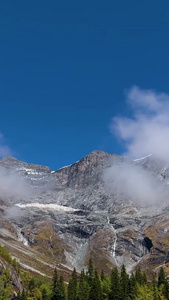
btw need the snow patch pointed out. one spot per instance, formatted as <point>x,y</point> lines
<point>29,171</point>
<point>143,157</point>
<point>47,206</point>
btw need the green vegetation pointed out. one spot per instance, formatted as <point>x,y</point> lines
<point>89,285</point>
<point>6,256</point>
<point>5,287</point>
<point>92,286</point>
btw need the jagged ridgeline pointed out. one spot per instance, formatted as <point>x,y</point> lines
<point>105,207</point>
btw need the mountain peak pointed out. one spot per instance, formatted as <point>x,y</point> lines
<point>9,158</point>
<point>100,154</point>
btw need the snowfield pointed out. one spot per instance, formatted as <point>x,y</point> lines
<point>47,206</point>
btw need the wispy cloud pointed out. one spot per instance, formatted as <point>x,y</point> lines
<point>147,129</point>
<point>134,182</point>
<point>4,148</point>
<point>13,185</point>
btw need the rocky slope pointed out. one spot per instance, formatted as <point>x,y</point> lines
<point>65,217</point>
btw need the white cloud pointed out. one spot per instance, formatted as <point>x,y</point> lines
<point>4,149</point>
<point>13,185</point>
<point>134,182</point>
<point>147,130</point>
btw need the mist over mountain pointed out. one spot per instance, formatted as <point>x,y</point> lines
<point>105,207</point>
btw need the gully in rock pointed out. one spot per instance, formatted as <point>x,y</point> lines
<point>21,238</point>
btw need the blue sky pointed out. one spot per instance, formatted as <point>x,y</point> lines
<point>65,67</point>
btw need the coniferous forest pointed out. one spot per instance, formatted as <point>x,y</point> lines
<point>89,285</point>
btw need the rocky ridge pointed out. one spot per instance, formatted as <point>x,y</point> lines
<point>69,216</point>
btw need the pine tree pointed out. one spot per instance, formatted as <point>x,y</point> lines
<point>102,275</point>
<point>46,291</point>
<point>62,289</point>
<point>144,278</point>
<point>124,284</point>
<point>32,284</point>
<point>83,291</point>
<point>144,293</point>
<point>95,290</point>
<point>44,295</point>
<point>55,279</point>
<point>56,290</point>
<point>132,286</point>
<point>161,277</point>
<point>139,276</point>
<point>72,287</point>
<point>35,294</point>
<point>90,271</point>
<point>154,289</point>
<point>106,287</point>
<point>115,293</point>
<point>166,289</point>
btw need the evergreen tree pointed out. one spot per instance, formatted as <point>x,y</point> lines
<point>55,279</point>
<point>161,277</point>
<point>44,295</point>
<point>90,271</point>
<point>106,287</point>
<point>139,276</point>
<point>163,284</point>
<point>155,289</point>
<point>72,287</point>
<point>32,284</point>
<point>35,294</point>
<point>124,284</point>
<point>144,278</point>
<point>62,289</point>
<point>83,291</point>
<point>132,286</point>
<point>46,292</point>
<point>115,293</point>
<point>102,275</point>
<point>95,290</point>
<point>166,289</point>
<point>56,290</point>
<point>144,293</point>
<point>161,292</point>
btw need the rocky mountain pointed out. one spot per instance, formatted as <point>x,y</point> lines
<point>62,218</point>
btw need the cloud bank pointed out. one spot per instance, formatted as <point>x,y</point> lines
<point>4,149</point>
<point>135,183</point>
<point>13,185</point>
<point>147,130</point>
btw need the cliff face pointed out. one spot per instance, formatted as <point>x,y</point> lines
<point>68,216</point>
